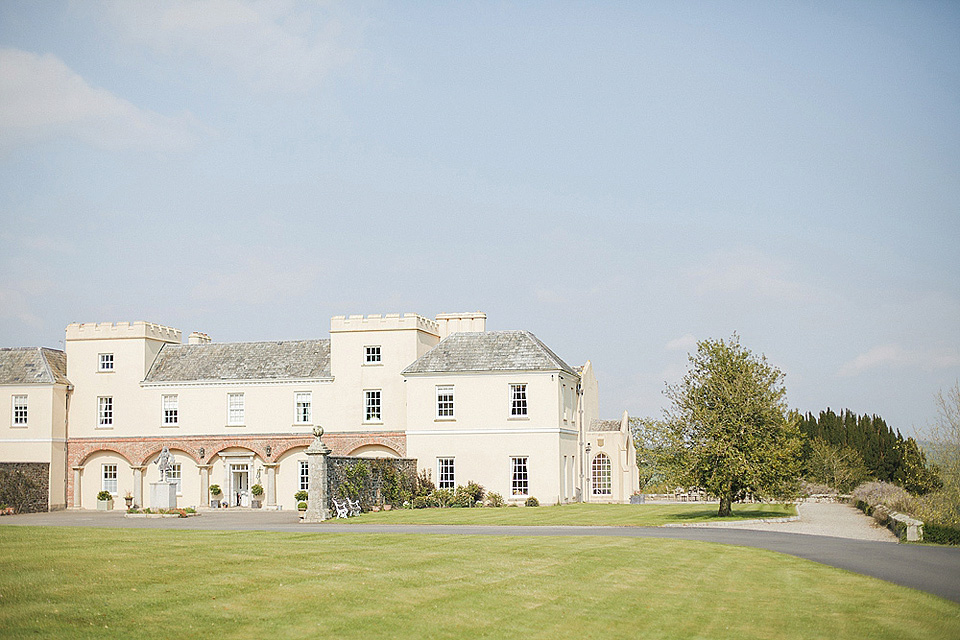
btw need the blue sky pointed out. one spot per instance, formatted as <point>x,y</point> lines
<point>622,179</point>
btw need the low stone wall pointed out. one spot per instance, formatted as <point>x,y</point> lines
<point>904,526</point>
<point>25,486</point>
<point>372,481</point>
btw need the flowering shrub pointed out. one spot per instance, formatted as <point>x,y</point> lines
<point>889,495</point>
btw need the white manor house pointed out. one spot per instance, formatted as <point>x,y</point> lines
<point>496,407</point>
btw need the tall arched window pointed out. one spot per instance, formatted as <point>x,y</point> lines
<point>601,475</point>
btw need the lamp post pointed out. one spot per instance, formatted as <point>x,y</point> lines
<point>587,464</point>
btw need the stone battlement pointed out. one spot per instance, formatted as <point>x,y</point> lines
<point>386,322</point>
<point>121,330</point>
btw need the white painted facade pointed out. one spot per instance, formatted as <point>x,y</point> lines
<point>244,425</point>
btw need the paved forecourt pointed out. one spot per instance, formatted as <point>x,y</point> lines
<point>934,569</point>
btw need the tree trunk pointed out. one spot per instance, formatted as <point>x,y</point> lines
<point>725,501</point>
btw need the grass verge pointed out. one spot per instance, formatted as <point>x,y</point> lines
<point>104,583</point>
<point>647,515</point>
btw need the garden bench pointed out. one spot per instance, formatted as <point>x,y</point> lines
<point>341,508</point>
<point>354,507</point>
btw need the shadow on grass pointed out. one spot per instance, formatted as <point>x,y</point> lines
<point>741,513</point>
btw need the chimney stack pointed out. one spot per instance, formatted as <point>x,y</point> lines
<point>454,322</point>
<point>198,338</point>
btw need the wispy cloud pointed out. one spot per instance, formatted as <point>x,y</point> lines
<point>270,46</point>
<point>752,272</point>
<point>685,342</point>
<point>893,355</point>
<point>42,98</point>
<point>18,301</point>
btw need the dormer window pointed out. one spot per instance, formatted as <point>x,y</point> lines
<point>371,354</point>
<point>106,362</point>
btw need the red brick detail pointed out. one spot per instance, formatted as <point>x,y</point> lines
<point>136,451</point>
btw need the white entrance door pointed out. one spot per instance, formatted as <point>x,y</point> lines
<point>240,477</point>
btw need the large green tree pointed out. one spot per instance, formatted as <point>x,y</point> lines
<point>728,427</point>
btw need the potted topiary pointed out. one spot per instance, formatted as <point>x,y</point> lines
<point>257,492</point>
<point>301,497</point>
<point>215,496</point>
<point>104,501</point>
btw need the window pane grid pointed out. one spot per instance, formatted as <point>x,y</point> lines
<point>520,485</point>
<point>109,478</point>
<point>174,475</point>
<point>235,408</point>
<point>304,476</point>
<point>304,402</point>
<point>171,410</point>
<point>19,410</point>
<point>601,475</point>
<point>372,405</point>
<point>372,354</point>
<point>105,411</point>
<point>518,400</point>
<point>445,473</point>
<point>106,362</point>
<point>444,402</point>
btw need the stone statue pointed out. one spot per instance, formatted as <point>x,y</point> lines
<point>165,463</point>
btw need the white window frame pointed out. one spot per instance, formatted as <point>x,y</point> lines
<point>601,475</point>
<point>170,410</point>
<point>19,411</point>
<point>109,478</point>
<point>520,475</point>
<point>372,354</point>
<point>175,473</point>
<point>105,412</point>
<point>105,362</point>
<point>303,407</point>
<point>518,400</point>
<point>304,475</point>
<point>373,405</point>
<point>236,409</point>
<point>446,473</point>
<point>446,402</point>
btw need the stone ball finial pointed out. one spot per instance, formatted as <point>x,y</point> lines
<point>318,431</point>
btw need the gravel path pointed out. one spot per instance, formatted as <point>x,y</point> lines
<point>825,519</point>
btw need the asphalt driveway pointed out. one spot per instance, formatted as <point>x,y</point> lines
<point>929,568</point>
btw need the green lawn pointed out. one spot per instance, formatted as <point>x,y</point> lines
<point>123,583</point>
<point>649,515</point>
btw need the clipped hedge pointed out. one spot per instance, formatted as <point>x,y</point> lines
<point>940,534</point>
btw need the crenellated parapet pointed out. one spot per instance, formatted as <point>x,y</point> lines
<point>121,330</point>
<point>385,322</point>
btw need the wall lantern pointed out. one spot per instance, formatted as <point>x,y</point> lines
<point>203,452</point>
<point>269,449</point>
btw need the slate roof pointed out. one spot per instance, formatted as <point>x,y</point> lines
<point>33,365</point>
<point>286,360</point>
<point>604,425</point>
<point>489,351</point>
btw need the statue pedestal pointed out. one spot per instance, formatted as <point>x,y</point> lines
<point>163,495</point>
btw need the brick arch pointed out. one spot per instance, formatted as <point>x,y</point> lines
<point>377,442</point>
<point>87,453</point>
<point>284,448</point>
<point>236,445</point>
<point>178,446</point>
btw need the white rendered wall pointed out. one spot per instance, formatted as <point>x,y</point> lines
<point>483,437</point>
